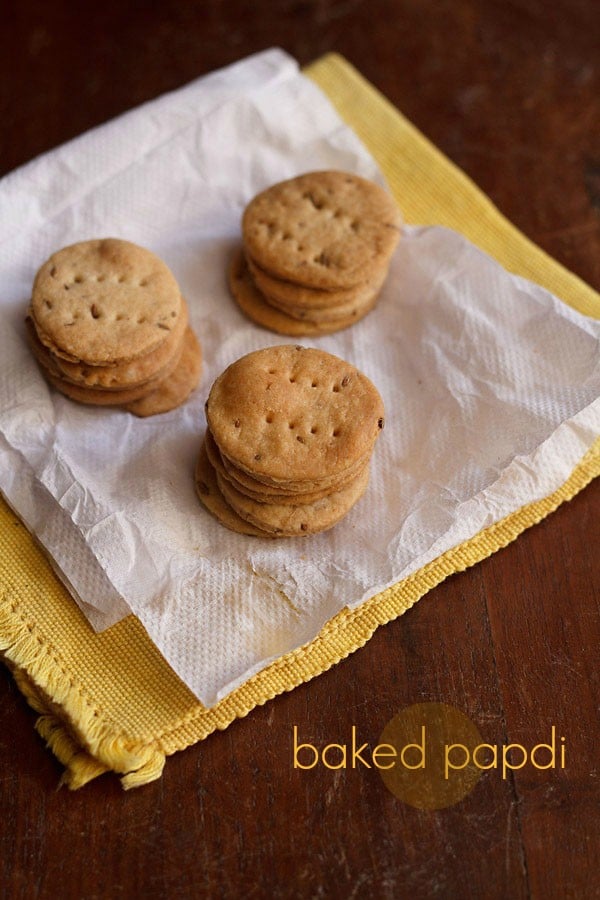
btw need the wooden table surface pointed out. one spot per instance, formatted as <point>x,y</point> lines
<point>511,93</point>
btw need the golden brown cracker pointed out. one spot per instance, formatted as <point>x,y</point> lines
<point>295,520</point>
<point>157,363</point>
<point>265,493</point>
<point>289,414</point>
<point>328,230</point>
<point>289,294</point>
<point>104,301</point>
<point>173,390</point>
<point>211,498</point>
<point>257,307</point>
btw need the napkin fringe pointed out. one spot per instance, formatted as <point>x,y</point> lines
<point>88,749</point>
<point>88,742</point>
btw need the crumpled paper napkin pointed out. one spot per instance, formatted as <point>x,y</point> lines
<point>490,384</point>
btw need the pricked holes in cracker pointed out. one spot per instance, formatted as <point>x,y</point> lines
<point>336,432</point>
<point>269,418</point>
<point>96,313</point>
<point>311,199</point>
<point>322,260</point>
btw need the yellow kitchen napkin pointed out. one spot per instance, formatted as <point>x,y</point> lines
<point>109,701</point>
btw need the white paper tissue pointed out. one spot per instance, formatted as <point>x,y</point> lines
<point>490,384</point>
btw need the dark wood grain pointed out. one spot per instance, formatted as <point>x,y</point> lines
<point>511,92</point>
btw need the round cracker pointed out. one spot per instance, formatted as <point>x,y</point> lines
<point>289,414</point>
<point>157,363</point>
<point>288,294</point>
<point>264,493</point>
<point>93,396</point>
<point>257,307</point>
<point>330,230</point>
<point>327,316</point>
<point>104,301</point>
<point>177,386</point>
<point>278,488</point>
<point>303,519</point>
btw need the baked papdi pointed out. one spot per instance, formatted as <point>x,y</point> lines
<point>316,252</point>
<point>289,439</point>
<point>109,327</point>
